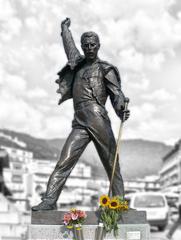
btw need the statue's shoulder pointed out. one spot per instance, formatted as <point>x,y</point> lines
<point>69,69</point>
<point>106,67</point>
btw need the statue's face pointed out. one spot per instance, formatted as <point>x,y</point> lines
<point>90,46</point>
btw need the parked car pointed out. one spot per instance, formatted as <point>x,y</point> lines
<point>172,198</point>
<point>155,205</point>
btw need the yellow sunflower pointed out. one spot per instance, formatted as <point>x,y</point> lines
<point>114,203</point>
<point>126,207</point>
<point>73,210</point>
<point>104,200</point>
<point>125,202</point>
<point>123,205</point>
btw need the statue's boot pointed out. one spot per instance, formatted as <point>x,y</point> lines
<point>44,205</point>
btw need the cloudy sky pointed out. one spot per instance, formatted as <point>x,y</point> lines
<point>142,38</point>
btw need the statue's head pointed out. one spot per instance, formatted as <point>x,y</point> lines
<point>90,45</point>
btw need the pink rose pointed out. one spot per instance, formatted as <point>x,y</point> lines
<point>74,216</point>
<point>82,214</point>
<point>65,223</point>
<point>67,217</point>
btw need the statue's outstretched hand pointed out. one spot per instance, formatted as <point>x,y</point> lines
<point>66,23</point>
<point>124,115</point>
<point>124,111</point>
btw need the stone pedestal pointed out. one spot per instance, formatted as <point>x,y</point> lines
<point>47,225</point>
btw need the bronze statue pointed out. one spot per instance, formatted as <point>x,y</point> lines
<point>89,81</point>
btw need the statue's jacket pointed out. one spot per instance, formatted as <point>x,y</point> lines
<point>109,79</point>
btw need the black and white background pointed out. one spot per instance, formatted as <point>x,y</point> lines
<point>142,38</point>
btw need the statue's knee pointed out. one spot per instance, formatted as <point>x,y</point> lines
<point>63,162</point>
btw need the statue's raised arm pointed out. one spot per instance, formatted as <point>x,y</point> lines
<point>71,51</point>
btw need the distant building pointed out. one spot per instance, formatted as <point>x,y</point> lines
<point>148,183</point>
<point>13,223</point>
<point>22,155</point>
<point>170,174</point>
<point>74,189</point>
<point>27,179</point>
<point>17,175</point>
<point>4,163</point>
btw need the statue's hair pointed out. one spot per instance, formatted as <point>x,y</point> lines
<point>89,34</point>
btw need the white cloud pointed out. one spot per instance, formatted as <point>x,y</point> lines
<point>172,141</point>
<point>15,84</point>
<point>179,90</point>
<point>157,128</point>
<point>142,113</point>
<point>10,28</point>
<point>131,59</point>
<point>11,83</point>
<point>32,23</point>
<point>153,129</point>
<point>133,82</point>
<point>159,95</point>
<point>18,115</point>
<point>155,33</point>
<point>154,61</point>
<point>37,93</point>
<point>7,10</point>
<point>57,126</point>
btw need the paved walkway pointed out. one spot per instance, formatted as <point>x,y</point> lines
<point>156,235</point>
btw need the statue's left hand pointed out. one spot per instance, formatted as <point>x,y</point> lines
<point>124,114</point>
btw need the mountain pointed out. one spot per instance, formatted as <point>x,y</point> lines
<point>42,148</point>
<point>138,158</point>
<point>142,157</point>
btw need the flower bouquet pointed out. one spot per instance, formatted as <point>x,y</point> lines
<point>110,212</point>
<point>74,220</point>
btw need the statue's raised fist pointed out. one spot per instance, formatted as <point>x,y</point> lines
<point>66,22</point>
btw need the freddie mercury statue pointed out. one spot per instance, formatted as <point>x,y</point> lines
<point>89,81</point>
